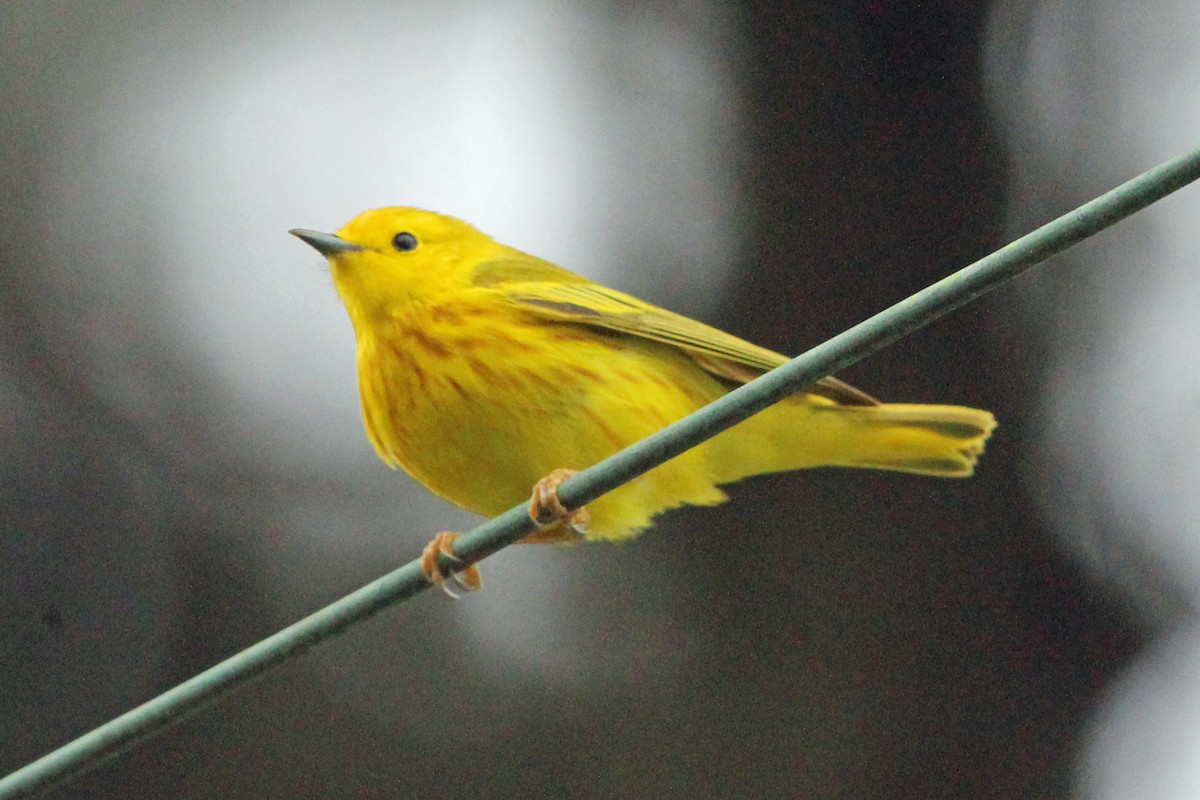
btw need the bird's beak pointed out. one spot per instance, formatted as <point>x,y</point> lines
<point>326,244</point>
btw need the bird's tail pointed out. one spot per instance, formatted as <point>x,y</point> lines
<point>944,441</point>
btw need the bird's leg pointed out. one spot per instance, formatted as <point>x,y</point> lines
<point>467,579</point>
<point>557,523</point>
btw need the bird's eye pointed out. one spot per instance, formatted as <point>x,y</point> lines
<point>404,241</point>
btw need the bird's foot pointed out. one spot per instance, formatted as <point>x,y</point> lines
<point>557,522</point>
<point>431,567</point>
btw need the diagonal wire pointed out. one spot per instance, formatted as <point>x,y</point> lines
<point>867,337</point>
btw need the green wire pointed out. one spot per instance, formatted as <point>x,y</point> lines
<point>919,310</point>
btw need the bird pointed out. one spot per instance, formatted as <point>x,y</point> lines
<point>491,376</point>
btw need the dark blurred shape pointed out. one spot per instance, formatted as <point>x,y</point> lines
<point>86,577</point>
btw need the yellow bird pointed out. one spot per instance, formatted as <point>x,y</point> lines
<point>484,371</point>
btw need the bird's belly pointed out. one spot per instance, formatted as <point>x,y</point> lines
<point>481,430</point>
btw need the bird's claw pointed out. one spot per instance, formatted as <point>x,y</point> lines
<point>467,579</point>
<point>546,509</point>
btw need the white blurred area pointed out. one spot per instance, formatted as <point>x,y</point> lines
<point>596,140</point>
<point>189,139</point>
<point>1091,93</point>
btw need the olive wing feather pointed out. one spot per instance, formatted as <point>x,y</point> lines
<point>556,294</point>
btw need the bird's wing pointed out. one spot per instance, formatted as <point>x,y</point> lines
<point>555,294</point>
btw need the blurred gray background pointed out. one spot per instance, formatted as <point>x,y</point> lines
<point>183,470</point>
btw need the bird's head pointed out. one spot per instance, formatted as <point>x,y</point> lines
<point>387,258</point>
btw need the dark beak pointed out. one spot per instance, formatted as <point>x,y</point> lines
<point>326,244</point>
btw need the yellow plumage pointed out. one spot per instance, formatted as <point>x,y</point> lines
<point>483,369</point>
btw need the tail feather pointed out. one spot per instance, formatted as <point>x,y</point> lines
<point>944,441</point>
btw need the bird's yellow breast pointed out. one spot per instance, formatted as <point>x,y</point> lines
<point>478,401</point>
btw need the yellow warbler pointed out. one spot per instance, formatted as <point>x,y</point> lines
<point>484,371</point>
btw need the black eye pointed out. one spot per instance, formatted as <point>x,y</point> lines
<point>404,241</point>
